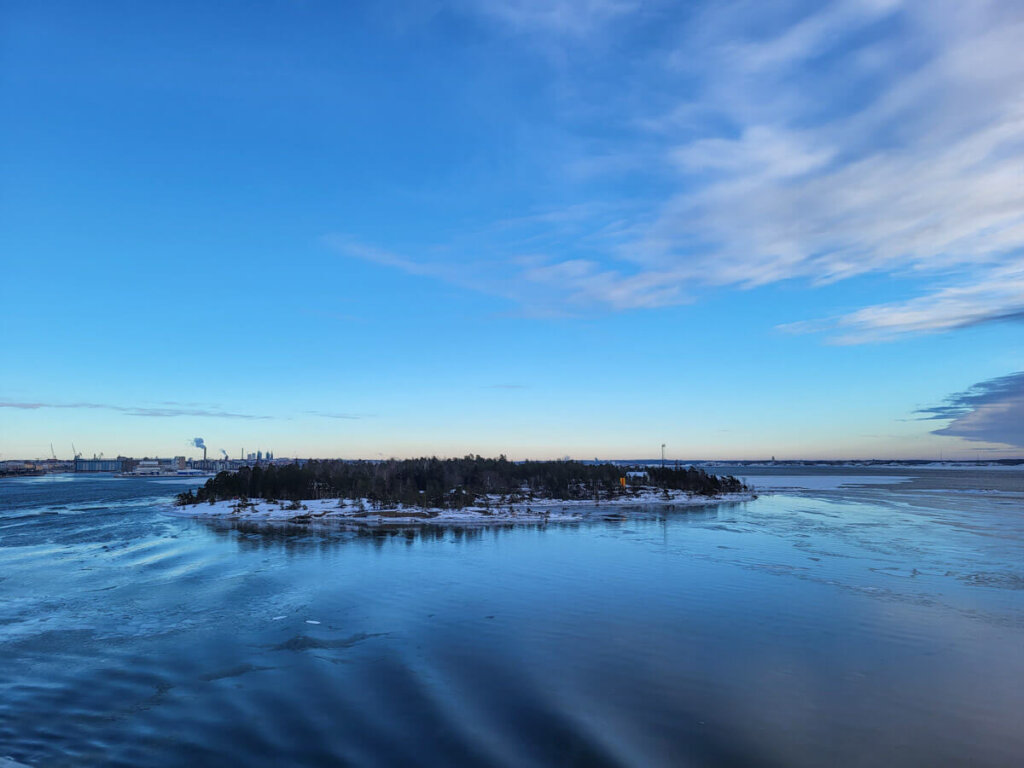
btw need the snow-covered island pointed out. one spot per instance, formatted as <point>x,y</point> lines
<point>468,491</point>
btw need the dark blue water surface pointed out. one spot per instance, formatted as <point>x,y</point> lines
<point>857,625</point>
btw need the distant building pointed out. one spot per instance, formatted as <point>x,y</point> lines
<point>98,465</point>
<point>19,468</point>
<point>148,467</point>
<point>637,478</point>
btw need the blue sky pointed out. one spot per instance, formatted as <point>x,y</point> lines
<point>541,229</point>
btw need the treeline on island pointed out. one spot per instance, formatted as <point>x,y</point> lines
<point>450,483</point>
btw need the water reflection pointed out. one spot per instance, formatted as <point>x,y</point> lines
<point>297,538</point>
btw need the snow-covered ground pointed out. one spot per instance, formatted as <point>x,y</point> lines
<point>359,512</point>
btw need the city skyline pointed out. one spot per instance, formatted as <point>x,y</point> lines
<point>520,228</point>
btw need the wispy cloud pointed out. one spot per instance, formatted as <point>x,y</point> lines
<point>474,276</point>
<point>215,413</point>
<point>920,174</point>
<point>339,415</point>
<point>991,411</point>
<point>355,249</point>
<point>813,142</point>
<point>574,18</point>
<point>996,295</point>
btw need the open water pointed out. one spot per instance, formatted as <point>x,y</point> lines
<point>850,618</point>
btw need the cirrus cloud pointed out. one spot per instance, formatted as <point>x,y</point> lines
<point>814,142</point>
<point>131,410</point>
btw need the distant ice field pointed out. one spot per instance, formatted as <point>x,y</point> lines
<point>818,482</point>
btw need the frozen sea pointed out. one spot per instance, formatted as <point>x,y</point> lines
<point>847,617</point>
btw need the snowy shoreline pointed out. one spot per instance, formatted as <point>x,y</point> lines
<point>359,512</point>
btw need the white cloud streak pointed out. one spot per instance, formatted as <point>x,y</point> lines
<point>574,18</point>
<point>340,416</point>
<point>129,410</point>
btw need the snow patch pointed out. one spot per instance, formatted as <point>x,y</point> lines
<point>360,513</point>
